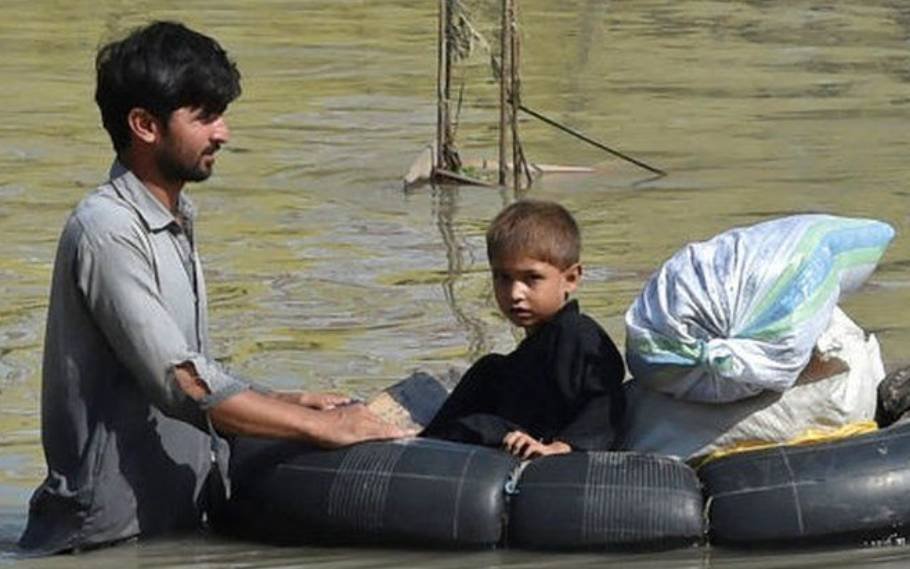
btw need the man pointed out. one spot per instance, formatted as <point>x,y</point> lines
<point>131,399</point>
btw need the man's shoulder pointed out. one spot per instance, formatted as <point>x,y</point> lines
<point>102,212</point>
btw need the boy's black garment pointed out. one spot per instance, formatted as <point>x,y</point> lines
<point>564,382</point>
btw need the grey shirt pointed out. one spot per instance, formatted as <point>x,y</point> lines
<point>127,451</point>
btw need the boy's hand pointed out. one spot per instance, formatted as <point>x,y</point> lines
<point>525,446</point>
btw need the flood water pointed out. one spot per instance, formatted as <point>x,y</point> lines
<point>324,273</point>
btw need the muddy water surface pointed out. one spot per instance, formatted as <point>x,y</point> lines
<point>324,273</point>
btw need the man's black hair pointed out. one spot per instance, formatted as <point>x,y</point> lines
<point>160,68</point>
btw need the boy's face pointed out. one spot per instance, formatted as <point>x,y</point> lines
<point>529,292</point>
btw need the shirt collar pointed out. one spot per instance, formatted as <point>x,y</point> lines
<point>150,210</point>
<point>570,307</point>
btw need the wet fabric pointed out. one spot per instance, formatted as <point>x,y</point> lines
<point>564,382</point>
<point>127,451</point>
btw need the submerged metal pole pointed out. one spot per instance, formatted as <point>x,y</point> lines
<point>513,96</point>
<point>442,109</point>
<point>505,45</point>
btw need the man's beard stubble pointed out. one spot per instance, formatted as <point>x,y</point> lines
<point>176,171</point>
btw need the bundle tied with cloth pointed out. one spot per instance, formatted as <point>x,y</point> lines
<point>738,341</point>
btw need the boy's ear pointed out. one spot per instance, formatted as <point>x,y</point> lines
<point>143,125</point>
<point>572,276</point>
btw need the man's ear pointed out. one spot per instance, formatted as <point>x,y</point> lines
<point>143,125</point>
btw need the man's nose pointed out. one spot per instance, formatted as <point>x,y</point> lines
<point>221,132</point>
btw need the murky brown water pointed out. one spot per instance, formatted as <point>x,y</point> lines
<point>323,272</point>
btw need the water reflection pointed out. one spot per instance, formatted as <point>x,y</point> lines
<point>445,205</point>
<point>215,552</point>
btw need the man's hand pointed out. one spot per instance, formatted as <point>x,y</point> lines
<point>321,401</point>
<point>526,447</point>
<point>355,423</point>
<point>254,414</point>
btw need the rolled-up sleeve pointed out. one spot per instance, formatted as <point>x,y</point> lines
<point>116,273</point>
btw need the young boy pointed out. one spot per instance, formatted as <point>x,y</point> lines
<point>561,389</point>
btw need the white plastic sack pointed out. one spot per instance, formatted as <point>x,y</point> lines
<point>725,319</point>
<point>836,389</point>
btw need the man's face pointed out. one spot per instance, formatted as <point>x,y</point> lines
<point>186,152</point>
<point>529,292</point>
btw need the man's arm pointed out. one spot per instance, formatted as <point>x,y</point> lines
<point>115,274</point>
<point>257,414</point>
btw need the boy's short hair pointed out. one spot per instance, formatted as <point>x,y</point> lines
<point>161,67</point>
<point>542,230</point>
